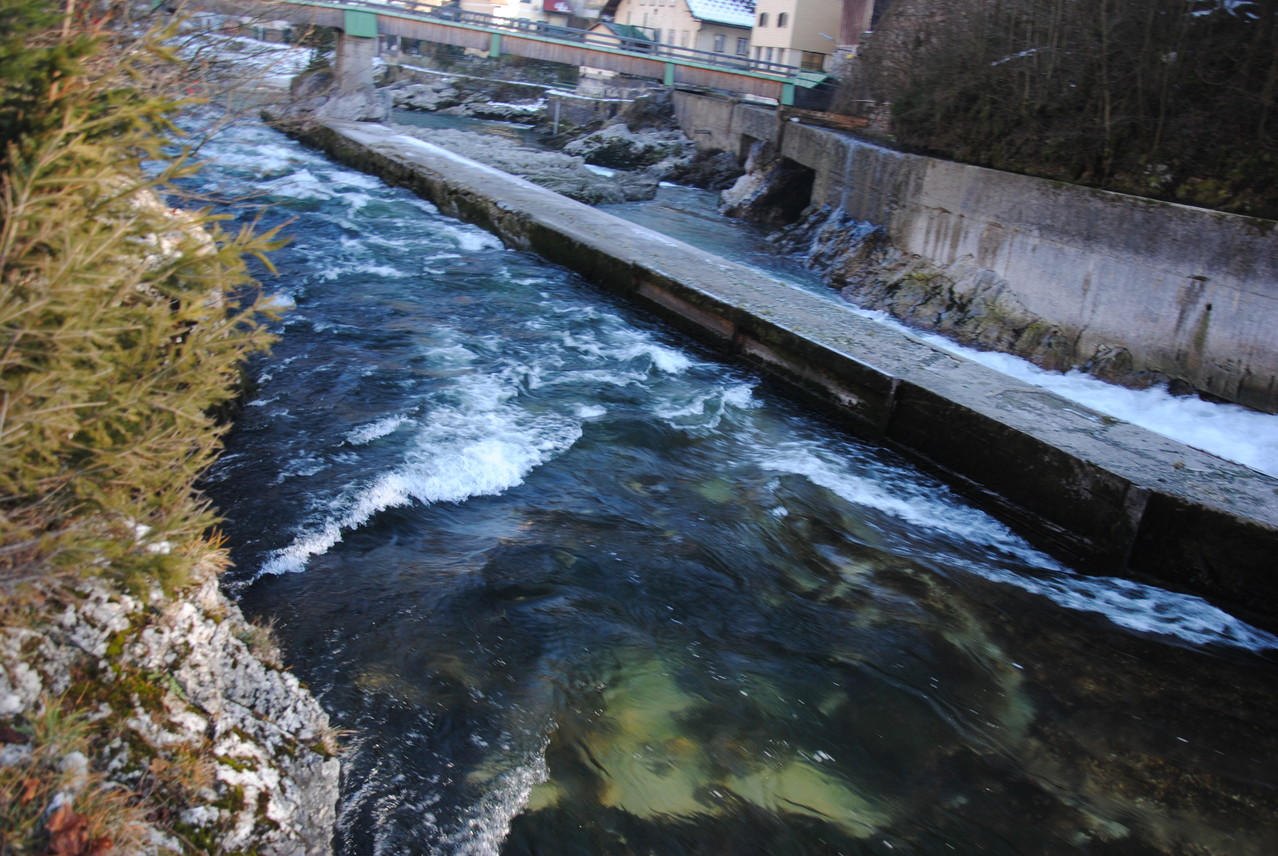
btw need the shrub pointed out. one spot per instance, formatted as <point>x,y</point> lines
<point>123,321</point>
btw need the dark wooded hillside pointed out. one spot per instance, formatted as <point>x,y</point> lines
<point>1167,98</point>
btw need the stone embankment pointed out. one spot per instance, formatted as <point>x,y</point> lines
<point>192,714</point>
<point>1108,495</point>
<point>1132,289</point>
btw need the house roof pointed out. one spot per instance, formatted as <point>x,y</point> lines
<point>737,13</point>
<point>624,31</point>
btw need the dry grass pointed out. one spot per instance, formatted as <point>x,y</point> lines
<point>51,804</point>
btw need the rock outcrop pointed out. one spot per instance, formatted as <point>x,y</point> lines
<point>772,190</point>
<point>555,171</point>
<point>218,747</point>
<point>426,97</point>
<point>317,95</point>
<point>618,147</point>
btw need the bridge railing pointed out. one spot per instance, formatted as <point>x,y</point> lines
<point>574,35</point>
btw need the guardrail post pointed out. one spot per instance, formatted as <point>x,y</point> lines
<point>494,45</point>
<point>669,79</point>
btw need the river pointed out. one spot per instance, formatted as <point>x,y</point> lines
<point>574,585</point>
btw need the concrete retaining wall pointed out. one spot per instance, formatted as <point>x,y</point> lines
<point>1107,495</point>
<point>1189,293</point>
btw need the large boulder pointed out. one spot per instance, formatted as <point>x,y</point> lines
<point>709,170</point>
<point>773,190</point>
<point>618,147</point>
<point>436,95</point>
<point>315,94</point>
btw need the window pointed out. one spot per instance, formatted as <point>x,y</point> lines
<point>767,55</point>
<point>812,61</point>
<point>783,19</point>
<point>718,43</point>
<point>743,47</point>
<point>683,39</point>
<point>763,19</point>
<point>656,35</point>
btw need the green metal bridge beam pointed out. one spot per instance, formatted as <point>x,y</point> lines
<point>360,23</point>
<point>363,22</point>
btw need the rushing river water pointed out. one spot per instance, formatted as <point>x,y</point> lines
<point>575,586</point>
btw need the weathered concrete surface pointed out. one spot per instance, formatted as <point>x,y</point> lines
<point>1189,293</point>
<point>1108,495</point>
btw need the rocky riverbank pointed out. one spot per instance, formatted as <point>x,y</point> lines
<point>139,712</point>
<point>152,723</point>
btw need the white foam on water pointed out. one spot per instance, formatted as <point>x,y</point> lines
<point>916,504</point>
<point>622,344</point>
<point>360,179</point>
<point>504,797</point>
<point>301,184</point>
<point>1228,431</point>
<point>597,378</point>
<point>278,302</point>
<point>1142,608</point>
<point>706,409</point>
<point>471,239</point>
<point>347,268</point>
<point>479,446</point>
<point>1128,604</point>
<point>355,202</point>
<point>373,430</point>
<point>742,396</point>
<point>267,161</point>
<point>300,465</point>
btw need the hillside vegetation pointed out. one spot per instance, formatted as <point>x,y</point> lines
<point>123,325</point>
<point>1167,98</point>
<point>122,320</point>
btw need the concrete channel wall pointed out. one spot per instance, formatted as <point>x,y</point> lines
<point>1106,495</point>
<point>1189,293</point>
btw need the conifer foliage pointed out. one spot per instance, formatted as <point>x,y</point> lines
<point>123,321</point>
<point>1176,99</point>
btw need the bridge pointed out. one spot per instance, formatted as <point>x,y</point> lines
<point>362,23</point>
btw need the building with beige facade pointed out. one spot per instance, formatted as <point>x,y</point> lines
<point>715,26</point>
<point>799,33</point>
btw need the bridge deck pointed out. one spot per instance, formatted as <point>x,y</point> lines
<point>496,36</point>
